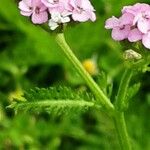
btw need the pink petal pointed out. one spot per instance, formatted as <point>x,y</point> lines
<point>49,5</point>
<point>56,9</point>
<point>25,13</point>
<point>93,16</point>
<point>120,34</point>
<point>143,25</point>
<point>40,18</point>
<point>141,7</point>
<point>112,23</point>
<point>73,3</point>
<point>82,10</point>
<point>136,18</point>
<point>146,40</point>
<point>81,17</point>
<point>86,4</point>
<point>43,7</point>
<point>67,5</point>
<point>23,6</point>
<point>36,3</point>
<point>28,2</point>
<point>135,35</point>
<point>136,9</point>
<point>126,9</point>
<point>126,18</point>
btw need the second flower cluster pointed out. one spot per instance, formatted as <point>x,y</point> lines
<point>133,25</point>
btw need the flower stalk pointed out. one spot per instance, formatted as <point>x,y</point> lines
<point>119,119</point>
<point>124,84</point>
<point>122,133</point>
<point>101,97</point>
<point>118,114</point>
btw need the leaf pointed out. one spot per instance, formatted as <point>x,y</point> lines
<point>54,100</point>
<point>58,92</point>
<point>105,83</point>
<point>132,91</point>
<point>55,107</point>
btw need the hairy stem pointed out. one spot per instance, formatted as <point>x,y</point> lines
<point>101,97</point>
<point>122,133</point>
<point>119,119</point>
<point>120,100</point>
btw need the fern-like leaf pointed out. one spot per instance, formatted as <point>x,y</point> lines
<point>54,100</point>
<point>55,107</point>
<point>132,91</point>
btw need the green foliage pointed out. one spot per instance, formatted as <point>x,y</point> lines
<point>133,90</point>
<point>55,107</point>
<point>105,82</point>
<point>59,92</point>
<point>29,57</point>
<point>56,101</point>
<point>131,93</point>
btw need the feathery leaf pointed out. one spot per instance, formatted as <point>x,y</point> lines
<point>54,100</point>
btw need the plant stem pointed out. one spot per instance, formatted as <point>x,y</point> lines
<point>121,96</point>
<point>118,114</point>
<point>101,97</point>
<point>120,126</point>
<point>119,119</point>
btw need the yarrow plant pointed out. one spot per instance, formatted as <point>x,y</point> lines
<point>133,25</point>
<point>57,11</point>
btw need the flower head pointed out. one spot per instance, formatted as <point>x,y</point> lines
<point>59,11</point>
<point>134,24</point>
<point>120,31</point>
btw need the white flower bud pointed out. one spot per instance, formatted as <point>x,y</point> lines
<point>131,55</point>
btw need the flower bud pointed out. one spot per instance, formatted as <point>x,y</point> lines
<point>131,55</point>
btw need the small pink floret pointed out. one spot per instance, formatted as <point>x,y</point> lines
<point>82,10</point>
<point>34,8</point>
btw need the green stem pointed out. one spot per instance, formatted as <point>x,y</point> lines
<point>118,115</point>
<point>120,126</point>
<point>119,119</point>
<point>104,101</point>
<point>121,96</point>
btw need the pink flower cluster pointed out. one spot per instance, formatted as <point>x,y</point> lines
<point>60,11</point>
<point>134,24</point>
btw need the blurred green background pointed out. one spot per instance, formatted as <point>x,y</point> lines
<point>29,57</point>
